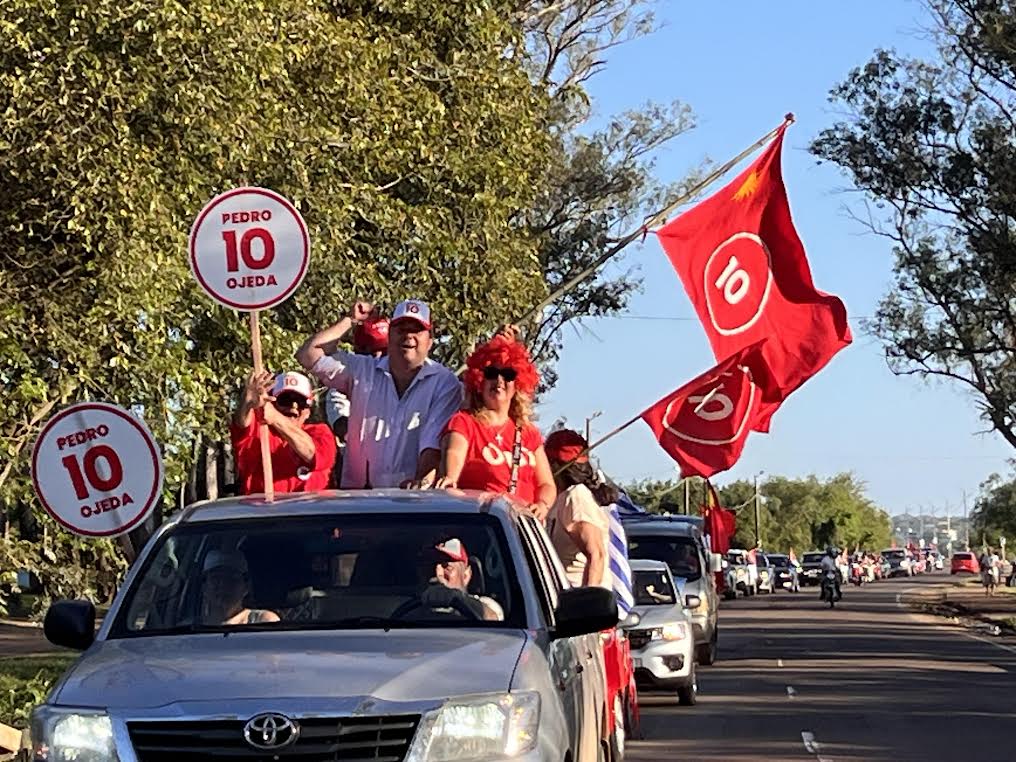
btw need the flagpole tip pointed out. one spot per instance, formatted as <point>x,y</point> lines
<point>789,117</point>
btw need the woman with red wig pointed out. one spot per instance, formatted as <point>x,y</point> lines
<point>491,444</point>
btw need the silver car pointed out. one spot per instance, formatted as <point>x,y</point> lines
<point>679,543</point>
<point>386,626</point>
<point>661,634</point>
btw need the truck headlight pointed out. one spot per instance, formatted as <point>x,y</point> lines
<point>479,728</point>
<point>674,631</point>
<point>71,735</point>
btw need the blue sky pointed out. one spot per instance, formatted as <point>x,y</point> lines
<point>741,66</point>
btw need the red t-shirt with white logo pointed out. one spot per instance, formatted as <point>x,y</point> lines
<point>290,473</point>
<point>488,464</point>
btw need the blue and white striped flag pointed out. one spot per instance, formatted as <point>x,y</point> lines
<point>620,569</point>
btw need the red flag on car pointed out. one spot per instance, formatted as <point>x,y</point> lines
<point>745,270</point>
<point>718,523</point>
<point>704,424</point>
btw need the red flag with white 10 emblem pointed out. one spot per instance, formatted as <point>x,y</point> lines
<point>705,423</point>
<point>745,270</point>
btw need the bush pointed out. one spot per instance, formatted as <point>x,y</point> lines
<point>24,683</point>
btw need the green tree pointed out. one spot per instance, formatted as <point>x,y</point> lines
<point>933,145</point>
<point>404,134</point>
<point>994,513</point>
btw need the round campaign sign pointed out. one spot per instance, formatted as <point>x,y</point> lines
<point>96,469</point>
<point>249,249</point>
<point>738,279</point>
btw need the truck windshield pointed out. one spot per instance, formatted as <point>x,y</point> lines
<point>329,572</point>
<point>813,558</point>
<point>652,588</point>
<point>679,553</point>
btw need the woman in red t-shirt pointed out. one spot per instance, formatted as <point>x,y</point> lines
<point>492,438</point>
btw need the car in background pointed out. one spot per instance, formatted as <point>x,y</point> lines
<point>681,546</point>
<point>316,627</point>
<point>811,567</point>
<point>964,562</point>
<point>900,562</point>
<point>785,575</point>
<point>741,574</point>
<point>661,633</point>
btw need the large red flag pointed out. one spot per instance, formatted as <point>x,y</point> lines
<point>745,270</point>
<point>704,424</point>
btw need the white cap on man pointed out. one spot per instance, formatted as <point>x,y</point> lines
<point>293,382</point>
<point>412,309</point>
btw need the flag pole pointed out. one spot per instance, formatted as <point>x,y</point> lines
<point>654,220</point>
<point>598,442</point>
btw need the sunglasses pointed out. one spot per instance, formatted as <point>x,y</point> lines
<point>288,400</point>
<point>491,372</point>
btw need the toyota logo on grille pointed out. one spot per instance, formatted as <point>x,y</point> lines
<point>270,731</point>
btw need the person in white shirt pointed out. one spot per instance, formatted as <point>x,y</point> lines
<point>578,522</point>
<point>398,404</point>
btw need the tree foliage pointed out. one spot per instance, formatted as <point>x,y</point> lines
<point>994,513</point>
<point>793,513</point>
<point>402,132</point>
<point>933,145</point>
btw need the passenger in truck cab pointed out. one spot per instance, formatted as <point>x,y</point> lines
<point>302,452</point>
<point>492,445</point>
<point>225,585</point>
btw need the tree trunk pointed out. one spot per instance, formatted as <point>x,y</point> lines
<point>212,470</point>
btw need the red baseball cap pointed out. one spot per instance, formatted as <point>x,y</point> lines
<point>566,446</point>
<point>454,549</point>
<point>371,335</point>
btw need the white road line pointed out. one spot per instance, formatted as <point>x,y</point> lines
<point>812,746</point>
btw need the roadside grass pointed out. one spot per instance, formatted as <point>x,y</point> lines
<point>24,683</point>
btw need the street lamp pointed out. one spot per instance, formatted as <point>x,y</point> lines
<point>589,430</point>
<point>758,513</point>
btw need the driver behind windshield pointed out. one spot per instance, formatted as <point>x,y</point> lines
<point>451,571</point>
<point>225,586</point>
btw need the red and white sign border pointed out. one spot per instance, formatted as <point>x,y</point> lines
<point>146,434</point>
<point>209,207</point>
<point>765,293</point>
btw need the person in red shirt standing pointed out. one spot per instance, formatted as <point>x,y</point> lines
<point>491,445</point>
<point>302,452</point>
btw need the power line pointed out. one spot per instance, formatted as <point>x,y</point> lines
<point>681,319</point>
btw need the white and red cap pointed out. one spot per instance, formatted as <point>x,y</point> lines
<point>412,309</point>
<point>293,382</point>
<point>454,549</point>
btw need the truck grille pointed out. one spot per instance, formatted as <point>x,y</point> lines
<point>639,639</point>
<point>345,739</point>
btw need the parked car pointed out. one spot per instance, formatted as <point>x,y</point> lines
<point>681,546</point>
<point>784,573</point>
<point>247,631</point>
<point>964,563</point>
<point>661,633</point>
<point>811,567</point>
<point>900,562</point>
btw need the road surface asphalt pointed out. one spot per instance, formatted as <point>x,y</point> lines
<point>868,680</point>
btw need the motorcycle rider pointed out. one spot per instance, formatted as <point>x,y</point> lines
<point>830,563</point>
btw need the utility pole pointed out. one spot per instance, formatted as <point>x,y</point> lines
<point>758,513</point>
<point>966,522</point>
<point>589,428</point>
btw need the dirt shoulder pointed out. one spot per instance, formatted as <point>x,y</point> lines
<point>964,600</point>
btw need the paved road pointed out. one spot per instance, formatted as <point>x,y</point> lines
<point>866,681</point>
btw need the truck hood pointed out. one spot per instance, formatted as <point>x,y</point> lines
<point>337,667</point>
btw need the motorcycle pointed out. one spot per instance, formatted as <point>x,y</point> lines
<point>858,574</point>
<point>829,593</point>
